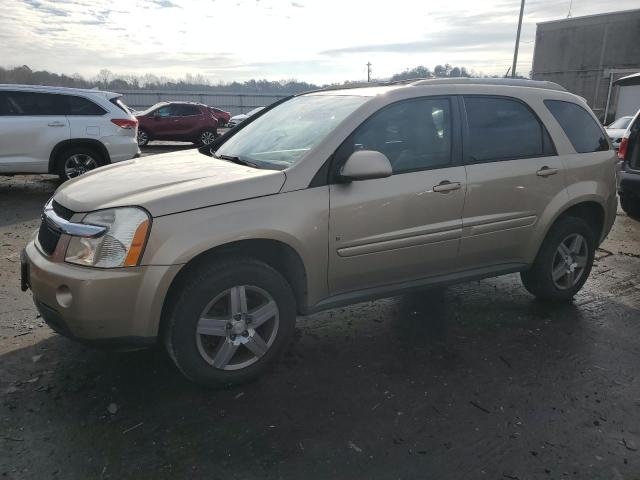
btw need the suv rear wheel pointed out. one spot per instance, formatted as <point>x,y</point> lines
<point>75,161</point>
<point>564,261</point>
<point>229,322</point>
<point>207,137</point>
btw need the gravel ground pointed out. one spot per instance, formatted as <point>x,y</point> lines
<point>469,382</point>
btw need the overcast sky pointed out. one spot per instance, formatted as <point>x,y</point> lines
<point>319,41</point>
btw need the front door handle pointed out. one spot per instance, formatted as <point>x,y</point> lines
<point>546,171</point>
<point>57,124</point>
<point>446,186</point>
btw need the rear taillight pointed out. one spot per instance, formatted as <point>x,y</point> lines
<point>622,151</point>
<point>125,123</point>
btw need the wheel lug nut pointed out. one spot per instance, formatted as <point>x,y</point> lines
<point>245,333</point>
<point>228,326</point>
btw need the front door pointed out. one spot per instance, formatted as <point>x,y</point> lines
<point>31,125</point>
<point>400,228</point>
<point>164,123</point>
<point>513,174</point>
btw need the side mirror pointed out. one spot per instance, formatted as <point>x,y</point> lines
<point>366,165</point>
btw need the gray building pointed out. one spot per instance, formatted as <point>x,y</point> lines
<point>588,54</point>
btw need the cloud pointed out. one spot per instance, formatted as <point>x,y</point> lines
<point>164,3</point>
<point>454,39</point>
<point>47,8</point>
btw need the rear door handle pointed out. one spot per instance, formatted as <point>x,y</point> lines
<point>57,124</point>
<point>446,186</point>
<point>546,172</point>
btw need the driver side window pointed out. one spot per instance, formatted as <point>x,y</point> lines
<point>164,111</point>
<point>414,135</point>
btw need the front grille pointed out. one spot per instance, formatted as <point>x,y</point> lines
<point>48,238</point>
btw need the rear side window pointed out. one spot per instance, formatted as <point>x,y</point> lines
<point>120,104</point>
<point>82,106</point>
<point>583,131</point>
<point>184,110</point>
<point>31,103</point>
<point>504,129</point>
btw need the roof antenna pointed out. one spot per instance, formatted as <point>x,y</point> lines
<point>570,5</point>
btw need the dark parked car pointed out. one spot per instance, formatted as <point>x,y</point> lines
<point>629,152</point>
<point>222,116</point>
<point>178,121</point>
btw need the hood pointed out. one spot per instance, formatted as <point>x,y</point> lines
<point>615,132</point>
<point>168,183</point>
<point>242,116</point>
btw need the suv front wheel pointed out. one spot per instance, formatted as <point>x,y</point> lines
<point>564,261</point>
<point>230,320</point>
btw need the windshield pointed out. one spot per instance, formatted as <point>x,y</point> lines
<point>153,107</point>
<point>280,137</point>
<point>621,123</point>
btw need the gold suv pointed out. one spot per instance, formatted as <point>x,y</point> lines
<point>324,199</point>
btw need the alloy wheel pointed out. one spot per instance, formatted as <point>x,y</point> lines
<point>143,138</point>
<point>206,138</point>
<point>570,261</point>
<point>237,327</point>
<point>79,163</point>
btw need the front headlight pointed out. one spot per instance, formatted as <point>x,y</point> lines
<point>120,246</point>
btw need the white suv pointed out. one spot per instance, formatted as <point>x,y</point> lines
<point>63,131</point>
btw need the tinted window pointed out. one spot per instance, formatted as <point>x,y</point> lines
<point>503,129</point>
<point>414,135</point>
<point>164,111</point>
<point>184,110</point>
<point>29,103</point>
<point>583,131</point>
<point>82,106</point>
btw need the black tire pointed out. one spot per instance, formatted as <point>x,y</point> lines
<point>88,159</point>
<point>630,206</point>
<point>206,137</point>
<point>143,137</point>
<point>196,294</point>
<point>539,279</point>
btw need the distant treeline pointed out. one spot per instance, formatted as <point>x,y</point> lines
<point>111,81</point>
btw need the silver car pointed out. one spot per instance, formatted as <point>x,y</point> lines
<point>326,199</point>
<point>616,130</point>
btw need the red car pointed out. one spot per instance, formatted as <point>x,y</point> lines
<point>222,116</point>
<point>177,121</point>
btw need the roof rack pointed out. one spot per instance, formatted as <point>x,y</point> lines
<point>513,82</point>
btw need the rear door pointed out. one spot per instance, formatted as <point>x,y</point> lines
<point>31,125</point>
<point>400,228</point>
<point>513,173</point>
<point>188,120</point>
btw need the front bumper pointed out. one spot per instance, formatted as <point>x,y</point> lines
<point>120,306</point>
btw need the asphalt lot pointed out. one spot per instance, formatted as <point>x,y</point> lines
<point>470,382</point>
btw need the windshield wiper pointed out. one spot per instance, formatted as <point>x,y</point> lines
<point>235,159</point>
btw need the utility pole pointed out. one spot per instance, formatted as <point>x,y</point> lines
<point>515,52</point>
<point>369,71</point>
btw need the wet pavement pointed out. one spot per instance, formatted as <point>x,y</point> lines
<point>469,382</point>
